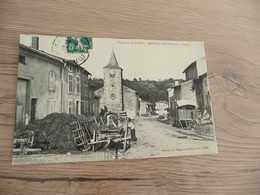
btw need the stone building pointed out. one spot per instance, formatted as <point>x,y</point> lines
<point>47,84</point>
<point>195,89</point>
<point>161,107</point>
<point>146,108</point>
<point>85,91</point>
<point>201,85</point>
<point>170,90</point>
<point>114,95</point>
<point>93,101</point>
<point>195,69</point>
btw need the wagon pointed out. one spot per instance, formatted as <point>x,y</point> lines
<point>184,114</point>
<point>103,135</point>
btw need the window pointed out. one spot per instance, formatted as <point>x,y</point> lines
<point>90,95</point>
<point>82,109</point>
<point>77,107</point>
<point>70,83</point>
<point>33,109</point>
<point>77,71</point>
<point>70,68</point>
<point>70,106</point>
<point>22,59</point>
<point>86,106</point>
<point>91,107</point>
<point>112,73</point>
<point>52,81</point>
<point>77,85</point>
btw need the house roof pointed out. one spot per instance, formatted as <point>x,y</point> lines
<point>177,86</point>
<point>113,64</point>
<point>148,103</point>
<point>161,101</point>
<point>186,102</point>
<point>130,89</point>
<point>189,66</point>
<point>195,62</point>
<point>53,57</point>
<point>203,75</point>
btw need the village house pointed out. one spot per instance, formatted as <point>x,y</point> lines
<point>161,107</point>
<point>170,91</point>
<point>114,95</point>
<point>201,85</point>
<point>47,84</point>
<point>195,89</point>
<point>94,101</point>
<point>146,108</point>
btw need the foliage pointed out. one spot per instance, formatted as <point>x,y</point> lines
<point>149,90</point>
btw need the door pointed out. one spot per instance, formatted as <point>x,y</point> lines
<point>33,109</point>
<point>77,107</point>
<point>21,102</point>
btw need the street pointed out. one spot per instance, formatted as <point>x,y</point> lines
<point>156,139</point>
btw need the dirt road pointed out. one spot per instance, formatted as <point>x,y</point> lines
<point>156,139</point>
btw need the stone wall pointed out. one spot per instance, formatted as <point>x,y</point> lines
<point>187,91</point>
<point>177,93</point>
<point>102,100</point>
<point>131,99</point>
<point>191,72</point>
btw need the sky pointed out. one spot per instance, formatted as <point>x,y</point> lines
<point>145,59</point>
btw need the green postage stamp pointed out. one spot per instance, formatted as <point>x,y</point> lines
<point>79,44</point>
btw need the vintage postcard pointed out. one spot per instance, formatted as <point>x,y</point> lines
<point>97,99</point>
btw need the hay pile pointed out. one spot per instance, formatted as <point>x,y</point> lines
<point>54,129</point>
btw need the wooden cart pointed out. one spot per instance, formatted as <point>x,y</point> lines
<point>184,114</point>
<point>102,136</point>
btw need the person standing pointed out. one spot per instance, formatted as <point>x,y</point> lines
<point>131,126</point>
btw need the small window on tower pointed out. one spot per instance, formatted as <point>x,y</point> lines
<point>112,73</point>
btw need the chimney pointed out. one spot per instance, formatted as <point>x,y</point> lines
<point>35,42</point>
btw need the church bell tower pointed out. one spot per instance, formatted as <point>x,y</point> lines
<point>113,87</point>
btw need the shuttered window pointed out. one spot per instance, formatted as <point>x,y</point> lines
<point>52,81</point>
<point>70,83</point>
<point>77,85</point>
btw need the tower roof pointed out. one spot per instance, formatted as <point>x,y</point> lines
<point>113,62</point>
